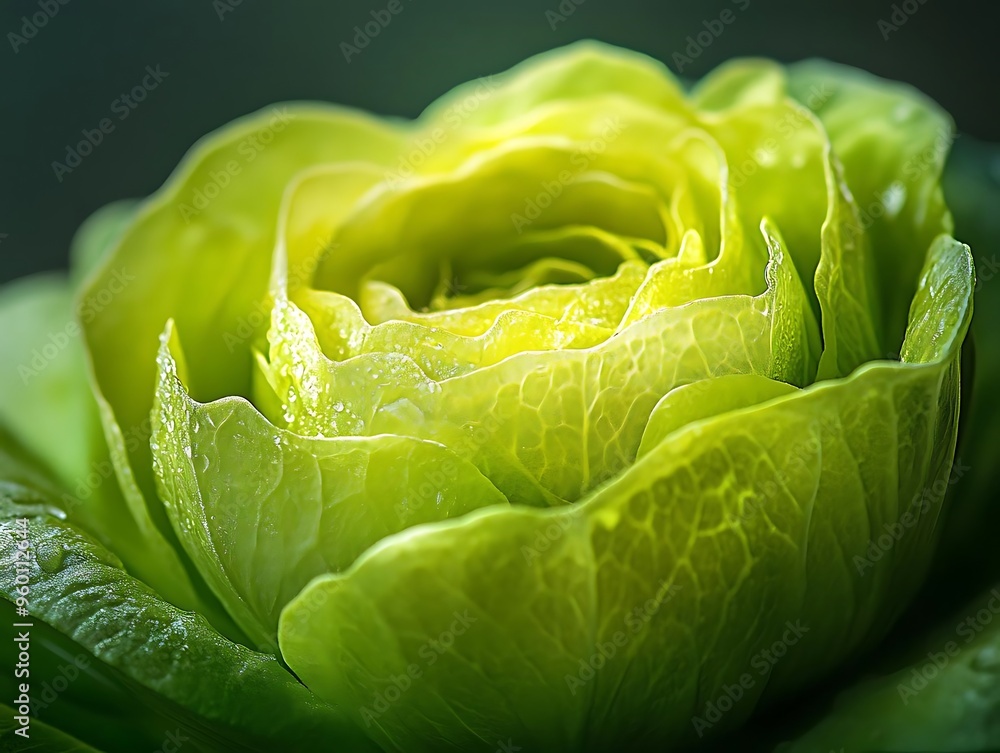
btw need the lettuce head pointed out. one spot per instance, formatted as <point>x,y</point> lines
<point>585,412</point>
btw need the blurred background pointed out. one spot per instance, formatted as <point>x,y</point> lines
<point>66,64</point>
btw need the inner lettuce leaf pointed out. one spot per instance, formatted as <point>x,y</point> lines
<point>511,607</point>
<point>600,301</point>
<point>563,421</point>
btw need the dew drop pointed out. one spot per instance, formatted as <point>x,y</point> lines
<point>49,556</point>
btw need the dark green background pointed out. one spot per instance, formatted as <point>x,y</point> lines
<point>66,77</point>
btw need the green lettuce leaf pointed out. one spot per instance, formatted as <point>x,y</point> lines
<point>262,511</point>
<point>42,737</point>
<point>228,694</point>
<point>892,141</point>
<point>937,689</point>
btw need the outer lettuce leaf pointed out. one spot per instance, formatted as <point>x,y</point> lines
<point>97,236</point>
<point>81,696</point>
<point>958,707</point>
<point>674,565</point>
<point>228,694</point>
<point>47,403</point>
<point>892,141</point>
<point>581,71</point>
<point>974,194</point>
<point>262,511</point>
<point>199,251</point>
<point>44,396</point>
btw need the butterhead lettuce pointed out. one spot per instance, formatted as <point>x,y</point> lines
<point>584,412</point>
